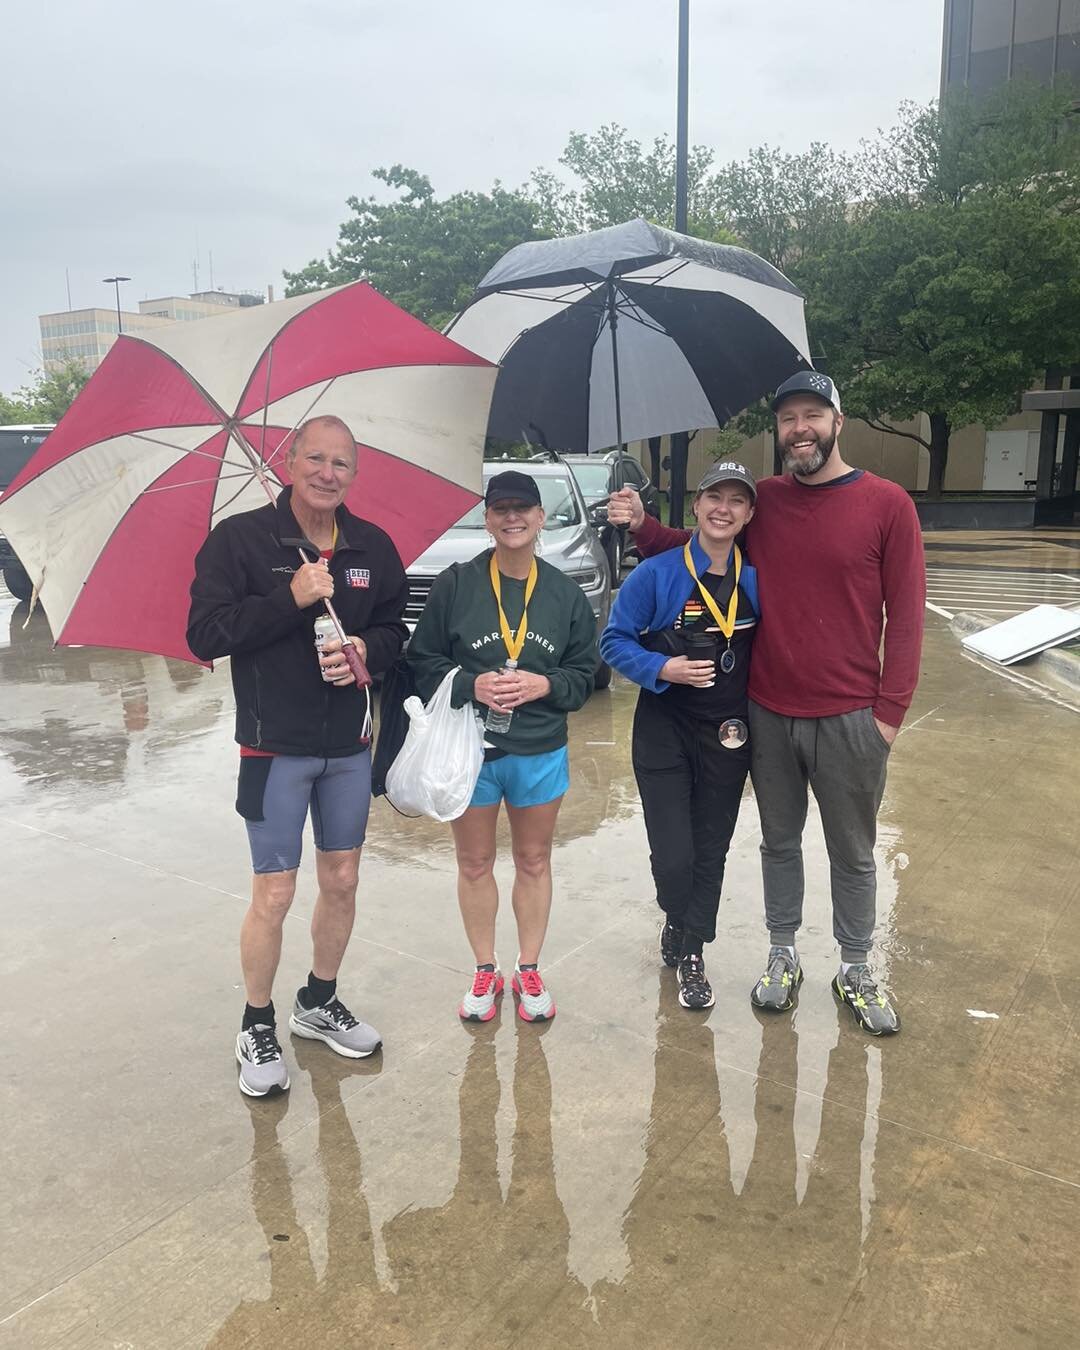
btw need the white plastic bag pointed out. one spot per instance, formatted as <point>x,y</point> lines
<point>435,771</point>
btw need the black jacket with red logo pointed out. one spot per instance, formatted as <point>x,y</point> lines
<point>242,607</point>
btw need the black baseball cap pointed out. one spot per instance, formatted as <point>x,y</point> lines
<point>730,471</point>
<point>808,382</point>
<point>511,486</point>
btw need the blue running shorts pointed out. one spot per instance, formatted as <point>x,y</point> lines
<point>274,795</point>
<point>524,780</point>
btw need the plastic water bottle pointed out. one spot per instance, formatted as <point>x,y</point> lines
<point>500,721</point>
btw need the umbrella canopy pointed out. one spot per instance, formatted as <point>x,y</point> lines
<point>630,332</point>
<point>180,427</point>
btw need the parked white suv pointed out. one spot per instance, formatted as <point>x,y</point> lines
<point>568,541</point>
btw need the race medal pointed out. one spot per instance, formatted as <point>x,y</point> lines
<point>725,622</point>
<point>733,734</point>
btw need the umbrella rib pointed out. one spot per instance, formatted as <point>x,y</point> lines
<point>184,450</point>
<point>567,297</point>
<point>302,418</point>
<point>245,473</point>
<point>655,281</point>
<point>217,510</point>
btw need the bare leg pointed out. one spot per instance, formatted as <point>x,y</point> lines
<point>532,829</point>
<point>478,896</point>
<point>260,933</point>
<point>335,909</point>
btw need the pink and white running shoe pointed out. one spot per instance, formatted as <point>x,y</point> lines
<point>478,1005</point>
<point>536,1003</point>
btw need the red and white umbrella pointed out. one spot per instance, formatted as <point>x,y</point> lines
<point>183,426</point>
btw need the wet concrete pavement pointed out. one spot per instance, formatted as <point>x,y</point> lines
<point>632,1175</point>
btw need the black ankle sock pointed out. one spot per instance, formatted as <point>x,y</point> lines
<point>528,965</point>
<point>691,946</point>
<point>258,1017</point>
<point>488,966</point>
<point>317,993</point>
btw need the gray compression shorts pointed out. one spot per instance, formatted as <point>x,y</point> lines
<point>275,794</point>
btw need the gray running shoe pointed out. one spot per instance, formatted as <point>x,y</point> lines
<point>262,1065</point>
<point>775,991</point>
<point>335,1025</point>
<point>871,1008</point>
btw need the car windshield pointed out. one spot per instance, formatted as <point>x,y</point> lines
<point>594,479</point>
<point>557,496</point>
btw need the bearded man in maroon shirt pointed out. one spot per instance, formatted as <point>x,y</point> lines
<point>838,551</point>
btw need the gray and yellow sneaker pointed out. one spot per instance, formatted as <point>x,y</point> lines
<point>871,1008</point>
<point>262,1065</point>
<point>335,1025</point>
<point>775,991</point>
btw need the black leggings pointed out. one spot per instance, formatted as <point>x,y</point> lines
<point>690,790</point>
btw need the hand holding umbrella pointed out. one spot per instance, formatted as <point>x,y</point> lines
<point>313,583</point>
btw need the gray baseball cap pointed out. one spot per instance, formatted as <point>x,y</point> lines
<point>808,382</point>
<point>728,471</point>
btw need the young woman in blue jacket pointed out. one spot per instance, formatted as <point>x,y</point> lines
<point>682,628</point>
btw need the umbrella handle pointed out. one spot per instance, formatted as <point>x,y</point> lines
<point>359,670</point>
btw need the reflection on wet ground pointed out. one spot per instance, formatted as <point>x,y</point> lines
<point>631,1175</point>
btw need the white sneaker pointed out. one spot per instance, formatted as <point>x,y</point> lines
<point>478,1005</point>
<point>536,1003</point>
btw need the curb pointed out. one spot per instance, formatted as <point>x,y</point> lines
<point>1055,661</point>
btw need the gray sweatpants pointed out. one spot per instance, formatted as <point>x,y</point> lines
<point>843,759</point>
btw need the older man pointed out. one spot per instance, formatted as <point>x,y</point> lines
<point>302,725</point>
<point>834,547</point>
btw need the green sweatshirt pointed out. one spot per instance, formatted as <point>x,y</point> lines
<point>460,627</point>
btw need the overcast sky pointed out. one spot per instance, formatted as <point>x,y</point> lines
<point>135,133</point>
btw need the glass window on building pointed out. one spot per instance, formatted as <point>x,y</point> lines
<point>1036,20</point>
<point>1034,61</point>
<point>959,31</point>
<point>991,25</point>
<point>1068,55</point>
<point>988,68</point>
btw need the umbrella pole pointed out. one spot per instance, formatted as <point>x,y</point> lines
<point>613,323</point>
<point>356,666</point>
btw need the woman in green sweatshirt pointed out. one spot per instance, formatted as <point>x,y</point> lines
<point>525,639</point>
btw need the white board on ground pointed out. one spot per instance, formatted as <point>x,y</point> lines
<point>1025,634</point>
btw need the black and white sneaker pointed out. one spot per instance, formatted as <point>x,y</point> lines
<point>671,936</point>
<point>695,991</point>
<point>335,1025</point>
<point>262,1065</point>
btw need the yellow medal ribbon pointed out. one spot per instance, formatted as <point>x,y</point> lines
<point>726,622</point>
<point>514,641</point>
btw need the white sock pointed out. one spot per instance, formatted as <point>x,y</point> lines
<point>845,966</point>
<point>790,951</point>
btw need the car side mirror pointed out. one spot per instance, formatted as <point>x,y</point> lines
<point>598,513</point>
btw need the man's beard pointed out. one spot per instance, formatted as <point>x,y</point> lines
<point>807,465</point>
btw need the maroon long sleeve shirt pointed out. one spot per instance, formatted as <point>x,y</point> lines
<point>834,561</point>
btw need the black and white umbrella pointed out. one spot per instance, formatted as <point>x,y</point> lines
<point>629,332</point>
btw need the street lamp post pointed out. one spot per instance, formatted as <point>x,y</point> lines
<point>115,281</point>
<point>680,442</point>
<point>681,118</point>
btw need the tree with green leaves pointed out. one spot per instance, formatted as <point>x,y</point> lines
<point>619,179</point>
<point>955,282</point>
<point>47,397</point>
<point>425,253</point>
